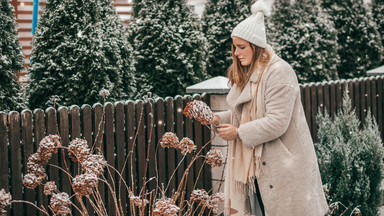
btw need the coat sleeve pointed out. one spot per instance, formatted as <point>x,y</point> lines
<point>280,95</point>
<point>225,116</point>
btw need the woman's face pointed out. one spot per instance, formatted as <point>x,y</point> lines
<point>243,51</point>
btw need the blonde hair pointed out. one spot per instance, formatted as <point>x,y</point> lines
<point>239,75</point>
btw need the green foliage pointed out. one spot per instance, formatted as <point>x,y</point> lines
<point>168,48</point>
<point>11,60</point>
<point>378,17</point>
<point>219,19</point>
<point>351,159</point>
<point>359,40</point>
<point>79,48</point>
<point>303,35</point>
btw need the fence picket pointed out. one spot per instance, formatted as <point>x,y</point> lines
<point>39,133</point>
<point>15,161</point>
<point>27,142</point>
<point>120,155</point>
<point>140,144</point>
<point>4,180</point>
<point>172,110</point>
<point>160,130</point>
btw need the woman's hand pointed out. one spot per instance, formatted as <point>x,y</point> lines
<point>216,120</point>
<point>228,132</point>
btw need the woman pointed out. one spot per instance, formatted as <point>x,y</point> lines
<point>272,166</point>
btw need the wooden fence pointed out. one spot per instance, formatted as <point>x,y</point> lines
<point>20,134</point>
<point>366,94</point>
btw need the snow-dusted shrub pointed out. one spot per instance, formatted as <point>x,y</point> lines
<point>169,48</point>
<point>11,60</point>
<point>350,158</point>
<point>79,48</point>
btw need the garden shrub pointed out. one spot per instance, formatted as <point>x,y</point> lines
<point>350,156</point>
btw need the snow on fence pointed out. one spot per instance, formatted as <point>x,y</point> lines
<point>20,134</point>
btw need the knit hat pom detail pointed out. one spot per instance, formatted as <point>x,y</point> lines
<point>261,6</point>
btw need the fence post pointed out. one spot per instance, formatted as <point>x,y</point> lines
<point>217,89</point>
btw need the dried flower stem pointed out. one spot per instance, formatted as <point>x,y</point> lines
<point>33,204</point>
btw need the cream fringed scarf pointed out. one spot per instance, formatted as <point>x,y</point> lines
<point>243,163</point>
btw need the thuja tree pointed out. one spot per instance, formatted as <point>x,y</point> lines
<point>351,160</point>
<point>11,60</point>
<point>305,37</point>
<point>79,48</point>
<point>168,48</point>
<point>219,19</point>
<point>359,40</point>
<point>378,16</point>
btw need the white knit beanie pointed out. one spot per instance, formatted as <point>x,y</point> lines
<point>252,29</point>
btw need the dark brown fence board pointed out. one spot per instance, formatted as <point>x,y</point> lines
<point>98,134</point>
<point>332,98</point>
<point>27,140</point>
<point>140,144</point>
<point>314,110</point>
<point>160,130</point>
<point>15,161</point>
<point>307,107</point>
<point>62,153</point>
<point>198,140</point>
<point>172,121</point>
<point>207,138</point>
<point>326,97</point>
<point>4,175</point>
<point>380,89</point>
<point>339,94</point>
<point>86,130</point>
<point>53,172</point>
<point>130,136</point>
<point>75,130</point>
<point>357,98</point>
<point>180,131</point>
<point>188,125</point>
<point>109,153</point>
<point>120,155</point>
<point>150,143</point>
<point>373,96</point>
<point>39,133</point>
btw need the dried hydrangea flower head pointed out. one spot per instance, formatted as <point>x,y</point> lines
<point>187,146</point>
<point>214,158</point>
<point>94,164</point>
<point>48,145</point>
<point>165,207</point>
<point>83,184</point>
<point>5,200</point>
<point>137,201</point>
<point>199,110</point>
<point>60,203</point>
<point>199,196</point>
<point>214,201</point>
<point>104,93</point>
<point>78,150</point>
<point>169,140</point>
<point>49,188</point>
<point>34,179</point>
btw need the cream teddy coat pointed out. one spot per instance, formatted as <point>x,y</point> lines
<point>289,182</point>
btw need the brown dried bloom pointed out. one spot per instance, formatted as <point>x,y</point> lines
<point>137,201</point>
<point>199,110</point>
<point>187,146</point>
<point>169,140</point>
<point>214,157</point>
<point>60,203</point>
<point>48,145</point>
<point>49,188</point>
<point>199,195</point>
<point>214,200</point>
<point>82,184</point>
<point>165,207</point>
<point>32,180</point>
<point>5,200</point>
<point>78,150</point>
<point>94,164</point>
<point>36,159</point>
